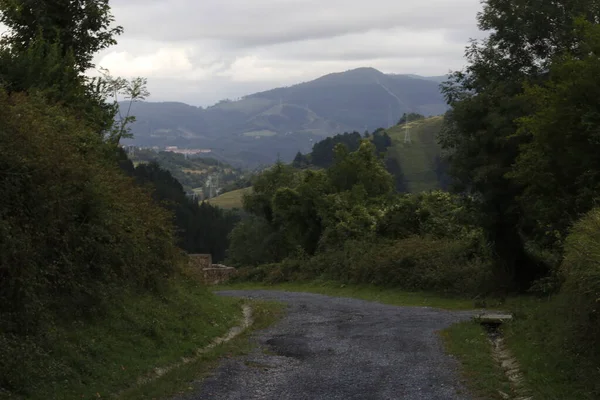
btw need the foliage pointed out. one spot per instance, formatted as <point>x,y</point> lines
<point>410,117</point>
<point>253,241</point>
<point>43,69</point>
<point>581,288</point>
<point>558,165</point>
<point>416,263</point>
<point>438,214</point>
<point>200,228</point>
<point>333,223</point>
<point>486,101</point>
<point>81,28</point>
<point>105,355</point>
<point>133,90</point>
<point>73,229</point>
<point>322,152</point>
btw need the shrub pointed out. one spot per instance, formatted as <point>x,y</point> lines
<point>416,263</point>
<point>73,229</point>
<point>581,289</point>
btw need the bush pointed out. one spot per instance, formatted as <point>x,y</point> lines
<point>73,228</point>
<point>581,289</point>
<point>416,263</point>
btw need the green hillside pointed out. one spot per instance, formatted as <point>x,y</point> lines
<point>260,128</point>
<point>417,158</point>
<point>230,200</point>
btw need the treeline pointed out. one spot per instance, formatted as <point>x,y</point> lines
<point>347,223</point>
<point>322,155</point>
<point>200,228</point>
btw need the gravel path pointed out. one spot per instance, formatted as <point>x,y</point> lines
<point>339,348</point>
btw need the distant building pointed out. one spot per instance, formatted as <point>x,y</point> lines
<point>175,149</point>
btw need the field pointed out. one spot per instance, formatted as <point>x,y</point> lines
<point>229,200</point>
<point>417,158</point>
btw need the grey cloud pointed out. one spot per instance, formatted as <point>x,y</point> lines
<point>266,22</point>
<point>285,42</point>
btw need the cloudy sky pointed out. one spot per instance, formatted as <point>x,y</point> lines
<point>200,52</point>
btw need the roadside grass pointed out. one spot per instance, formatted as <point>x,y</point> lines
<point>363,292</point>
<point>104,356</point>
<point>187,378</point>
<point>481,375</point>
<point>537,338</point>
<point>229,200</point>
<point>540,340</point>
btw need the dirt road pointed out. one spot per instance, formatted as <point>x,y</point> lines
<point>339,348</point>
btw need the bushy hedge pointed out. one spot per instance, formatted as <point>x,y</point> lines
<point>415,263</point>
<point>73,228</point>
<point>581,288</point>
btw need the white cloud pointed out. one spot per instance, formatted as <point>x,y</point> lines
<point>202,51</point>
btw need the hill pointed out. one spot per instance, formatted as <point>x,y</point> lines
<point>261,127</point>
<point>230,200</point>
<point>204,177</point>
<point>412,153</point>
<point>419,158</point>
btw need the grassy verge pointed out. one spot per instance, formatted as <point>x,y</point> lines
<point>467,341</point>
<point>107,355</point>
<point>364,292</point>
<point>537,338</point>
<point>185,378</point>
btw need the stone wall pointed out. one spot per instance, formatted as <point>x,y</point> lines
<point>217,274</point>
<point>201,266</point>
<point>200,261</point>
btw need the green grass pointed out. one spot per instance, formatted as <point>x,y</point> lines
<point>107,355</point>
<point>467,341</point>
<point>186,378</point>
<point>537,338</point>
<point>229,200</point>
<point>417,158</point>
<point>364,292</point>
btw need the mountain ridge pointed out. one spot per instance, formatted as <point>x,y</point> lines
<point>277,123</point>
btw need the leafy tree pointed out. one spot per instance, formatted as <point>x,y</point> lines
<point>80,27</point>
<point>409,117</point>
<point>48,48</point>
<point>301,161</point>
<point>558,166</point>
<point>322,153</point>
<point>486,102</point>
<point>393,167</point>
<point>201,228</point>
<point>74,231</point>
<point>381,140</point>
<point>359,168</point>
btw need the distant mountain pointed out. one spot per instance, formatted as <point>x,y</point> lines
<point>261,127</point>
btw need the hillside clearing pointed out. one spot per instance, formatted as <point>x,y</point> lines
<point>417,158</point>
<point>230,200</point>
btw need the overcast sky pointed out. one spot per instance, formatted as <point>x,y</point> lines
<point>200,52</point>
